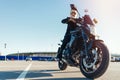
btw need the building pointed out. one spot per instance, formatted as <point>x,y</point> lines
<point>115,57</point>
<point>33,54</point>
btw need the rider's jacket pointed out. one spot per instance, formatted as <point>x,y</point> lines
<point>71,24</point>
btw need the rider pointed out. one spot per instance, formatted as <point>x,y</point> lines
<point>71,22</point>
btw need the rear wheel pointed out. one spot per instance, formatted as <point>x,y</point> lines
<point>62,65</point>
<point>94,65</point>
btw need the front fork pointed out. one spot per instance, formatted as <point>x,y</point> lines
<point>85,52</point>
<point>87,45</point>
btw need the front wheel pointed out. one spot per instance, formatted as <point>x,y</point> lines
<point>95,65</point>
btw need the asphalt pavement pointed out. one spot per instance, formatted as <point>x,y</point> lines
<point>48,70</point>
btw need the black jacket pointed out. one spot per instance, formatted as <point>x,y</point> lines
<point>71,24</point>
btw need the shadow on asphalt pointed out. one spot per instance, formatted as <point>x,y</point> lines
<point>36,74</point>
<point>66,79</point>
<point>48,73</point>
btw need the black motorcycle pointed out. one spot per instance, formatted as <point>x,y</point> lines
<point>85,51</point>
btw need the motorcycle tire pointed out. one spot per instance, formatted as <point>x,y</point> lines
<point>101,52</point>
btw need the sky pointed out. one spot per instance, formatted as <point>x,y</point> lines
<point>35,25</point>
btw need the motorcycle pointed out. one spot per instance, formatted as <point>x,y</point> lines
<point>85,51</point>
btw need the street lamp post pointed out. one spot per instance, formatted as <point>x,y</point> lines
<point>18,55</point>
<point>5,46</point>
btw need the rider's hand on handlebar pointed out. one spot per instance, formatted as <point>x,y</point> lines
<point>72,20</point>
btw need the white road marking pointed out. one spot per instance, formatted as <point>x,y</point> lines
<point>23,74</point>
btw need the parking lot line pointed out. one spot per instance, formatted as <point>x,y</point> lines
<point>23,74</point>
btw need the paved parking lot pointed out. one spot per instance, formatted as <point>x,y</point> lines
<point>46,70</point>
